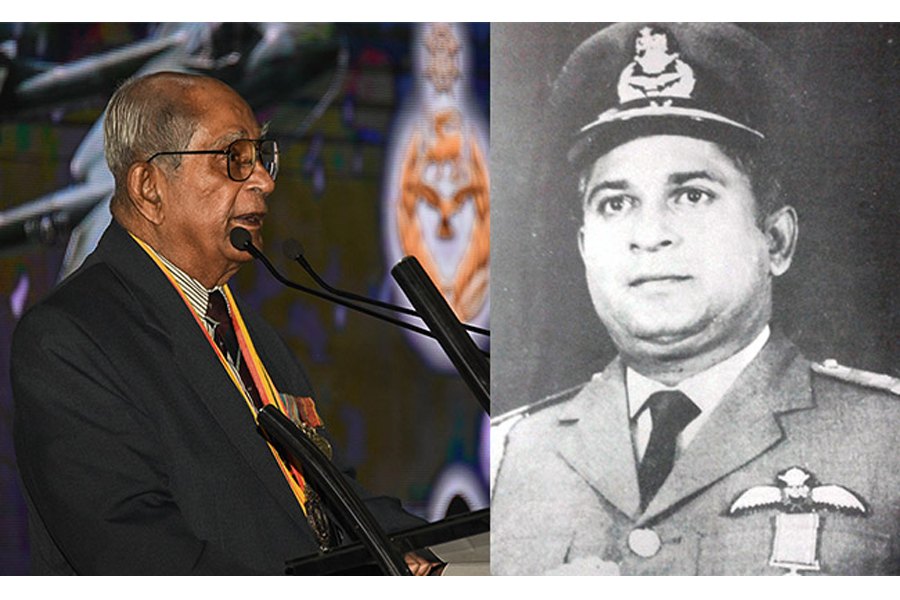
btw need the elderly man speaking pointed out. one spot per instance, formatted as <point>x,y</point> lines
<point>137,380</point>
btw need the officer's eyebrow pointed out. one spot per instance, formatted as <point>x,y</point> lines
<point>682,178</point>
<point>614,184</point>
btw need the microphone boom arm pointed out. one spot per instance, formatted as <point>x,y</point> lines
<point>330,483</point>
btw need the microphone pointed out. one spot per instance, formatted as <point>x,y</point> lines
<point>293,250</point>
<point>242,240</point>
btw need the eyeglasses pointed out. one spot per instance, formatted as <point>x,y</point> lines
<point>242,156</point>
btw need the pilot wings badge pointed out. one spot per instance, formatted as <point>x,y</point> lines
<point>797,525</point>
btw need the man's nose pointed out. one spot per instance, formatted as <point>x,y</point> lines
<point>653,229</point>
<point>260,180</point>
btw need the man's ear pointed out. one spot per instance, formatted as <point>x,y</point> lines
<point>144,182</point>
<point>781,231</point>
<point>581,242</point>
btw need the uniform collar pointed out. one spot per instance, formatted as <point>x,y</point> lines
<point>705,389</point>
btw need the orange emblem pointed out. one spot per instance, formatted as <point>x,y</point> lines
<point>446,170</point>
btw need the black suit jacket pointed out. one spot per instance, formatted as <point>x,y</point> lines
<point>137,453</point>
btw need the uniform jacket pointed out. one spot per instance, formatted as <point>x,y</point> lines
<point>136,452</point>
<point>566,495</point>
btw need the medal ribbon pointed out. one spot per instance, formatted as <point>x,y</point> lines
<point>267,391</point>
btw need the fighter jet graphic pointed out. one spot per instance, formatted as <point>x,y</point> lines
<point>267,63</point>
<point>797,492</point>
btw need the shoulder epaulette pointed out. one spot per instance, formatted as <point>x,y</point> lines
<point>831,368</point>
<point>526,410</point>
<point>501,425</point>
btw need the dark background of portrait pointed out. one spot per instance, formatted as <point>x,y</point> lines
<point>406,428</point>
<point>839,299</point>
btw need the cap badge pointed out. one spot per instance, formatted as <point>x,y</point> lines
<point>797,525</point>
<point>657,69</point>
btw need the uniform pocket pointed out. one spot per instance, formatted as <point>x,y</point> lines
<point>850,546</point>
<point>844,546</point>
<point>738,547</point>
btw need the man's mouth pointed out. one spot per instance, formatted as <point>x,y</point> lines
<point>658,280</point>
<point>251,220</point>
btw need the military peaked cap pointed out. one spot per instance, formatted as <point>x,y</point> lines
<point>709,80</point>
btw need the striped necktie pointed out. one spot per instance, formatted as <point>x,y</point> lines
<point>226,340</point>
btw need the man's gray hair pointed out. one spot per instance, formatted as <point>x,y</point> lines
<point>147,115</point>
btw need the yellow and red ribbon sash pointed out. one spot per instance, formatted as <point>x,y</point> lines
<point>268,393</point>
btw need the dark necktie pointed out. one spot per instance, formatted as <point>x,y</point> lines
<point>670,413</point>
<point>227,342</point>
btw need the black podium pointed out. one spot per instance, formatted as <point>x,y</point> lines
<point>372,550</point>
<point>471,529</point>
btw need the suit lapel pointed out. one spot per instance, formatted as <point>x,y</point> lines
<point>199,363</point>
<point>743,427</point>
<point>196,360</point>
<point>596,441</point>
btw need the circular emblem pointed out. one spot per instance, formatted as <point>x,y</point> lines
<point>644,542</point>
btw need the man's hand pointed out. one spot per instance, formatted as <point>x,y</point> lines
<point>419,566</point>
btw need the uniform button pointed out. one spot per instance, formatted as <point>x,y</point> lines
<point>644,542</point>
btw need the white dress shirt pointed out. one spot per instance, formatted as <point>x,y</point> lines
<point>198,296</point>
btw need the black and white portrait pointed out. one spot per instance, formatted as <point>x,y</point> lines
<point>695,333</point>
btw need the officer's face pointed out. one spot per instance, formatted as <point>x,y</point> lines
<point>675,261</point>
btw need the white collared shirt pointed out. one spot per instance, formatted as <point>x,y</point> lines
<point>195,292</point>
<point>198,296</point>
<point>705,389</point>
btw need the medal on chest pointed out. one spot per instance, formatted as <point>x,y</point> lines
<point>800,501</point>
